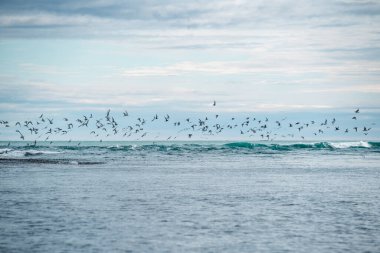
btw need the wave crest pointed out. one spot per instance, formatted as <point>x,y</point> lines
<point>295,146</point>
<point>353,144</point>
<point>186,147</point>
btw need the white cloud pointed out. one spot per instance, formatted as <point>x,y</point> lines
<point>359,88</point>
<point>252,55</point>
<point>188,67</point>
<point>46,69</point>
<point>296,66</point>
<point>48,19</point>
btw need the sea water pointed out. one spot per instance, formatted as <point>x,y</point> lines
<point>190,197</point>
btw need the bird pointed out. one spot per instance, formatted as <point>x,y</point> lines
<point>109,125</point>
<point>21,135</point>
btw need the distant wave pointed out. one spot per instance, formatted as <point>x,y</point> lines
<point>5,150</point>
<point>244,145</point>
<point>40,152</point>
<point>294,146</point>
<point>87,155</point>
<point>358,144</point>
<point>8,152</point>
<point>37,151</point>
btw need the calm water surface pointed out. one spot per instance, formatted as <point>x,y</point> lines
<point>190,197</point>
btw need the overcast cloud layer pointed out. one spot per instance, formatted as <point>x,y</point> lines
<point>64,56</point>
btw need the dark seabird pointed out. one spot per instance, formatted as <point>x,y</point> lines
<point>21,135</point>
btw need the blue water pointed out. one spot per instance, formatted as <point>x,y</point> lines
<point>190,197</point>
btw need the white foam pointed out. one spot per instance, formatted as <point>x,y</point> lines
<point>13,153</point>
<point>5,150</point>
<point>351,144</point>
<point>40,152</point>
<point>115,146</point>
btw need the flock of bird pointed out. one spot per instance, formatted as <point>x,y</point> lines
<point>45,128</point>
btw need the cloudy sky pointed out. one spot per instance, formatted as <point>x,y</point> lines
<point>281,56</point>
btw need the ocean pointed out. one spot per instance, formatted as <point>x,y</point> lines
<point>190,197</point>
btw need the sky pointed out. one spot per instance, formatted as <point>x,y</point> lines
<point>287,58</point>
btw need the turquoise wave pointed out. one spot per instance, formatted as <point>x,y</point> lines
<point>186,147</point>
<point>103,153</point>
<point>296,146</point>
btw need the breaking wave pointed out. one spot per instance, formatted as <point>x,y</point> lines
<point>9,152</point>
<point>295,146</point>
<point>54,150</point>
<point>92,154</point>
